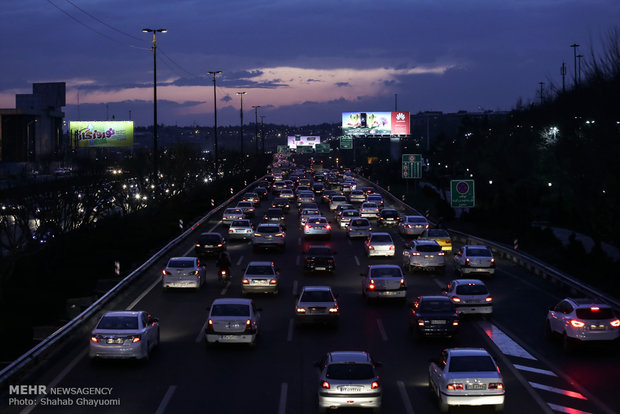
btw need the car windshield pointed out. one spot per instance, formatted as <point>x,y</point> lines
<point>267,229</point>
<point>240,223</point>
<point>317,296</point>
<point>232,211</point>
<point>436,306</point>
<point>472,363</point>
<point>348,213</point>
<point>118,322</point>
<point>259,270</point>
<point>386,272</point>
<point>230,309</point>
<point>209,238</point>
<point>595,313</point>
<point>244,204</point>
<point>381,238</point>
<point>319,251</point>
<point>471,289</point>
<point>438,233</point>
<point>359,222</point>
<point>180,263</point>
<point>350,371</point>
<point>388,213</point>
<point>417,220</point>
<point>369,205</point>
<point>428,248</point>
<point>317,220</point>
<point>478,252</point>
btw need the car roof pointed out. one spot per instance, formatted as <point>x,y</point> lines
<point>432,297</point>
<point>122,313</point>
<point>260,263</point>
<point>467,351</point>
<point>383,266</point>
<point>349,356</point>
<point>418,242</point>
<point>226,301</point>
<point>380,233</point>
<point>315,288</point>
<point>183,258</point>
<point>467,282</point>
<point>586,302</point>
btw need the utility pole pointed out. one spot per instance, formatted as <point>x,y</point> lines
<point>241,95</point>
<point>541,91</point>
<point>262,133</point>
<point>256,126</point>
<point>575,46</point>
<point>215,73</point>
<point>579,69</point>
<point>563,72</point>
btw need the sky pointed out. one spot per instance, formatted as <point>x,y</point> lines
<point>303,62</point>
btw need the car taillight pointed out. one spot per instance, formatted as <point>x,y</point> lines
<point>420,322</point>
<point>496,386</point>
<point>577,324</point>
<point>371,285</point>
<point>427,226</point>
<point>408,226</point>
<point>455,386</point>
<point>466,262</point>
<point>328,227</point>
<point>325,385</point>
<point>197,245</point>
<point>307,226</point>
<point>280,235</point>
<point>374,385</point>
<point>391,247</point>
<point>595,308</point>
<point>330,261</point>
<point>492,261</point>
<point>229,230</point>
<point>333,310</point>
<point>245,282</point>
<point>371,247</point>
<point>308,261</point>
<point>456,299</point>
<point>488,299</point>
<point>248,325</point>
<point>195,272</point>
<point>301,310</point>
<point>94,338</point>
<point>273,281</point>
<point>258,235</point>
<point>165,272</point>
<point>210,325</point>
<point>615,323</point>
<point>219,245</point>
<point>136,339</point>
<point>455,323</point>
<point>402,283</point>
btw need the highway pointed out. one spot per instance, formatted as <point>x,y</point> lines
<point>278,376</point>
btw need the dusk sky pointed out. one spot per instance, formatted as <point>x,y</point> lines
<point>304,62</point>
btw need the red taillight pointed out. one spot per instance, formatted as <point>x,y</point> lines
<point>210,325</point>
<point>456,299</point>
<point>273,281</point>
<point>371,247</point>
<point>135,339</point>
<point>325,385</point>
<point>391,247</point>
<point>245,282</point>
<point>94,338</point>
<point>577,324</point>
<point>307,226</point>
<point>496,386</point>
<point>615,323</point>
<point>229,230</point>
<point>455,386</point>
<point>195,272</point>
<point>328,227</point>
<point>402,283</point>
<point>374,385</point>
<point>492,261</point>
<point>488,299</point>
<point>371,285</point>
<point>165,272</point>
<point>466,262</point>
<point>595,308</point>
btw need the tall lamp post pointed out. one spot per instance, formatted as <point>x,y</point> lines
<point>575,46</point>
<point>579,69</point>
<point>262,133</point>
<point>215,73</point>
<point>241,95</point>
<point>256,125</point>
<point>155,154</point>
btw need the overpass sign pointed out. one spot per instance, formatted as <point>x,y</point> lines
<point>346,142</point>
<point>412,166</point>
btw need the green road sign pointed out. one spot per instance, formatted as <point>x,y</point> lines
<point>346,142</point>
<point>321,148</point>
<point>304,149</point>
<point>462,193</point>
<point>412,166</point>
<point>283,149</point>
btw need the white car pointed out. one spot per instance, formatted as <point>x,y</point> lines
<point>582,320</point>
<point>232,320</point>
<point>184,272</point>
<point>384,281</point>
<point>379,244</point>
<point>269,235</point>
<point>247,207</point>
<point>357,196</point>
<point>375,198</point>
<point>317,227</point>
<point>470,296</point>
<point>317,304</point>
<point>466,376</point>
<point>337,200</point>
<point>345,218</point>
<point>474,259</point>
<point>359,227</point>
<point>306,214</point>
<point>413,225</point>
<point>232,214</point>
<point>241,229</point>
<point>425,255</point>
<point>124,334</point>
<point>260,277</point>
<point>369,210</point>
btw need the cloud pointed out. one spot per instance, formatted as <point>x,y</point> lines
<point>342,84</point>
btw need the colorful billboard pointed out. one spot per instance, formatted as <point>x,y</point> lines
<point>96,134</point>
<point>375,123</point>
<point>294,141</point>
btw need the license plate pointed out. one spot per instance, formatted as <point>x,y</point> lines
<point>597,327</point>
<point>388,293</point>
<point>320,268</point>
<point>226,337</point>
<point>260,282</point>
<point>350,389</point>
<point>429,257</point>
<point>115,341</point>
<point>438,322</point>
<point>233,326</point>
<point>476,386</point>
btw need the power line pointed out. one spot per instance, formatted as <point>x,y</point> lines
<point>102,22</point>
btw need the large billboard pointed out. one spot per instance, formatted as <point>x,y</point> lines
<point>375,123</point>
<point>294,141</point>
<point>95,134</point>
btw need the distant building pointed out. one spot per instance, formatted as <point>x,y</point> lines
<point>32,132</point>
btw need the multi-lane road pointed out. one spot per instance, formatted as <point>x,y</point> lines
<point>278,376</point>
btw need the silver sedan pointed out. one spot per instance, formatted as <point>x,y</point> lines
<point>124,334</point>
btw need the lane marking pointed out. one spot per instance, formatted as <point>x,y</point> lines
<point>439,283</point>
<point>143,294</point>
<point>201,334</point>
<point>535,370</point>
<point>357,261</point>
<point>283,391</point>
<point>294,287</point>
<point>382,330</point>
<point>240,260</point>
<point>164,402</point>
<point>291,326</point>
<point>225,288</point>
<point>566,393</point>
<point>567,410</point>
<point>405,397</point>
<point>504,342</point>
<point>299,241</point>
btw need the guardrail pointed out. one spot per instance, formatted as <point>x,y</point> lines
<point>526,261</point>
<point>18,367</point>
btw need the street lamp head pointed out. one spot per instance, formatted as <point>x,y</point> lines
<point>215,72</point>
<point>154,30</point>
<point>241,93</point>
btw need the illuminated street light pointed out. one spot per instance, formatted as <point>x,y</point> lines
<point>215,73</point>
<point>241,95</point>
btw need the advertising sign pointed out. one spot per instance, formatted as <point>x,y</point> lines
<point>375,123</point>
<point>95,134</point>
<point>294,141</point>
<point>462,193</point>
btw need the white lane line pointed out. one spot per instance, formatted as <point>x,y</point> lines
<point>350,242</point>
<point>382,330</point>
<point>536,370</point>
<point>566,393</point>
<point>57,379</point>
<point>294,287</point>
<point>299,241</point>
<point>357,261</point>
<point>297,261</point>
<point>201,334</point>
<point>283,391</point>
<point>143,294</point>
<point>504,342</point>
<point>405,397</point>
<point>566,410</point>
<point>439,283</point>
<point>225,288</point>
<point>164,402</point>
<point>240,260</point>
<point>291,326</point>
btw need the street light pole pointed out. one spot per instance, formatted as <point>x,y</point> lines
<point>215,73</point>
<point>541,91</point>
<point>256,126</point>
<point>579,69</point>
<point>575,46</point>
<point>155,154</point>
<point>262,133</point>
<point>241,95</point>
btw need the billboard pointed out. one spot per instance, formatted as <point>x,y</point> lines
<point>96,134</point>
<point>294,141</point>
<point>375,123</point>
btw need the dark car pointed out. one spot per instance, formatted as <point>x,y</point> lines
<point>281,202</point>
<point>275,215</point>
<point>433,316</point>
<point>262,192</point>
<point>388,217</point>
<point>318,188</point>
<point>319,258</point>
<point>210,244</point>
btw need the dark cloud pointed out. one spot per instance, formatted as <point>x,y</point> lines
<point>342,84</point>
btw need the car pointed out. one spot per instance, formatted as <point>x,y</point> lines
<point>275,215</point>
<point>346,187</point>
<point>375,198</point>
<point>124,334</point>
<point>433,316</point>
<point>346,217</point>
<point>349,379</point>
<point>247,207</point>
<point>582,320</point>
<point>384,281</point>
<point>441,236</point>
<point>319,258</point>
<point>357,196</point>
<point>413,225</point>
<point>474,259</point>
<point>241,229</point>
<point>301,188</point>
<point>232,320</point>
<point>388,217</point>
<point>317,227</point>
<point>369,210</point>
<point>327,194</point>
<point>424,255</point>
<point>260,277</point>
<point>342,207</point>
<point>184,272</point>
<point>277,187</point>
<point>307,205</point>
<point>281,202</point>
<point>306,214</point>
<point>316,304</point>
<point>359,228</point>
<point>368,190</point>
<point>336,200</point>
<point>379,244</point>
<point>466,376</point>
<point>209,244</point>
<point>269,235</point>
<point>318,188</point>
<point>305,197</point>
<point>288,194</point>
<point>232,214</point>
<point>470,296</point>
<point>252,197</point>
<point>262,192</point>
